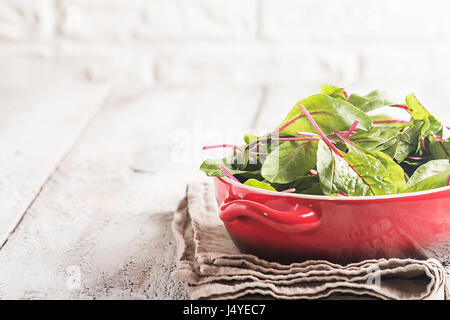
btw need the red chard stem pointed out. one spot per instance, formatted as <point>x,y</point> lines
<point>422,144</point>
<point>307,134</point>
<point>222,146</point>
<point>417,158</point>
<point>294,139</point>
<point>319,131</point>
<point>228,174</point>
<point>390,121</point>
<point>284,126</point>
<point>350,130</point>
<point>345,94</point>
<point>402,106</point>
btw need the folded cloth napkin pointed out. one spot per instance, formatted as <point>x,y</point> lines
<point>213,267</point>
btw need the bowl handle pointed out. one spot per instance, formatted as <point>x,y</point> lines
<point>303,219</point>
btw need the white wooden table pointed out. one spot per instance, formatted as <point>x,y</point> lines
<point>89,180</point>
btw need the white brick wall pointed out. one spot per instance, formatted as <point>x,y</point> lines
<point>349,20</point>
<point>158,20</point>
<point>398,45</point>
<point>26,20</point>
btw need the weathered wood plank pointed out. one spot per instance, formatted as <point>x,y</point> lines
<point>105,212</point>
<point>38,125</point>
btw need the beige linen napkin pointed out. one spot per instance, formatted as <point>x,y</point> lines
<point>213,268</point>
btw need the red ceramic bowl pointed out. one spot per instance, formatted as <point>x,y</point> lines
<point>293,227</point>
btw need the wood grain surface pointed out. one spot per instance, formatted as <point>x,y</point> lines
<point>37,127</point>
<point>103,217</point>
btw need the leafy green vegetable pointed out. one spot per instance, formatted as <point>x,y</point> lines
<point>381,117</point>
<point>439,149</point>
<point>242,176</point>
<point>374,137</point>
<point>259,184</point>
<point>427,170</point>
<point>395,172</point>
<point>334,92</point>
<point>290,161</point>
<point>371,101</point>
<point>431,125</point>
<point>355,175</point>
<point>249,138</point>
<point>408,141</point>
<point>211,167</point>
<point>315,189</point>
<point>330,114</point>
<point>435,181</point>
<point>329,145</point>
<point>308,184</point>
<point>389,147</point>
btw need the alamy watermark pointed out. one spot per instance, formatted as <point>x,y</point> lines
<point>187,144</point>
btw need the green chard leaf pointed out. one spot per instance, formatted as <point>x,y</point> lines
<point>395,171</point>
<point>427,170</point>
<point>249,138</point>
<point>371,101</point>
<point>437,180</point>
<point>258,184</point>
<point>211,167</point>
<point>241,160</point>
<point>408,141</point>
<point>315,189</point>
<point>330,114</point>
<point>389,147</point>
<point>374,137</point>
<point>381,117</point>
<point>439,149</point>
<point>290,161</point>
<point>308,184</point>
<point>256,174</point>
<point>355,175</point>
<point>430,125</point>
<point>335,92</point>
<point>381,120</point>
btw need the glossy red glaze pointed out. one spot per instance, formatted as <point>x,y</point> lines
<point>292,227</point>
